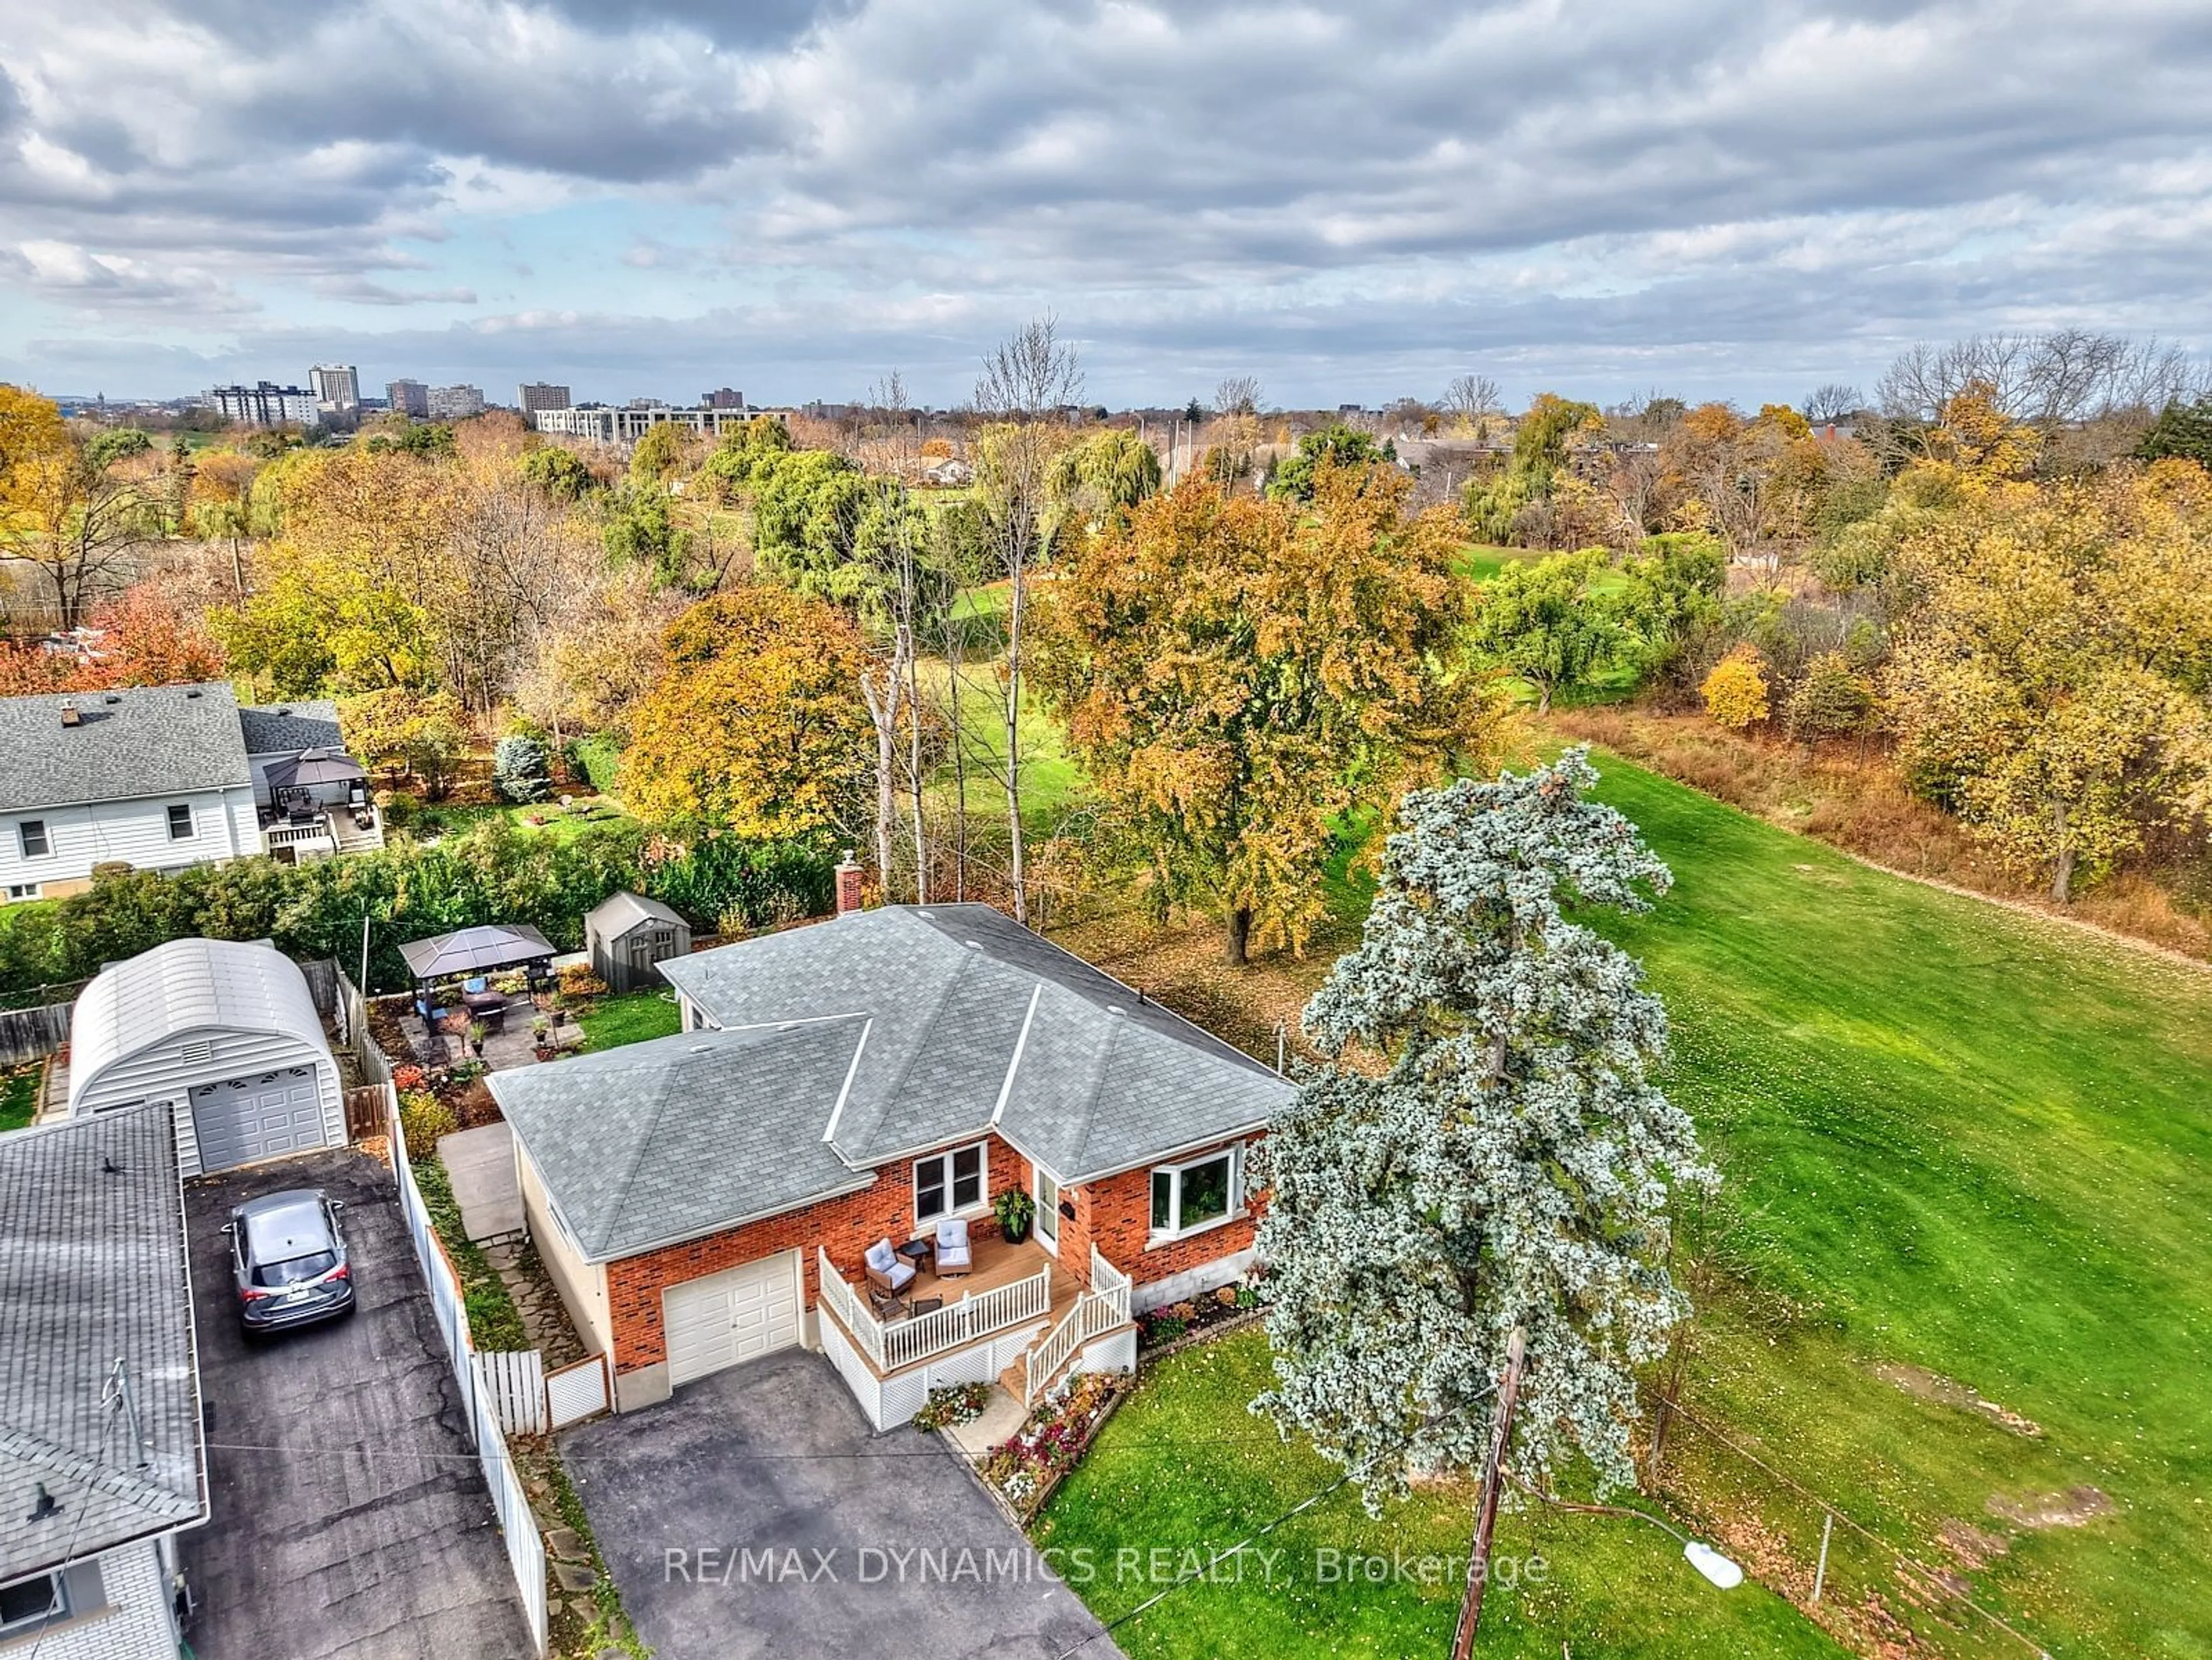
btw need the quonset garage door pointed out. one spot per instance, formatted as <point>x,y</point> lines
<point>244,1119</point>
<point>737,1315</point>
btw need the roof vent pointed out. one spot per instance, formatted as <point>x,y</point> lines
<point>112,697</point>
<point>1113,1008</point>
<point>975,944</point>
<point>70,715</point>
<point>46,1505</point>
<point>191,691</point>
<point>701,1049</point>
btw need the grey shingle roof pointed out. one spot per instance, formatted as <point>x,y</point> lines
<point>1104,1081</point>
<point>619,912</point>
<point>146,740</point>
<point>91,1270</point>
<point>665,1140</point>
<point>288,728</point>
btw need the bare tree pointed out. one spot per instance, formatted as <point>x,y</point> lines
<point>2047,380</point>
<point>1239,394</point>
<point>1833,400</point>
<point>1473,395</point>
<point>1026,379</point>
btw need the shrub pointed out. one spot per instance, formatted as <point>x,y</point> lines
<point>1831,701</point>
<point>422,1119</point>
<point>520,768</point>
<point>598,760</point>
<point>1735,691</point>
<point>578,983</point>
<point>1164,1329</point>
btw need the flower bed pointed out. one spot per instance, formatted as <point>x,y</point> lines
<point>1170,1323</point>
<point>956,1403</point>
<point>1026,1467</point>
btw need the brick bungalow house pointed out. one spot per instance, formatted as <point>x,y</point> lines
<point>709,1197</point>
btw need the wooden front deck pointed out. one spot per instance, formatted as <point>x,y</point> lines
<point>997,1263</point>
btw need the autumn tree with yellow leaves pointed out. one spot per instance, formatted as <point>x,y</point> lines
<point>1238,675</point>
<point>2049,677</point>
<point>757,727</point>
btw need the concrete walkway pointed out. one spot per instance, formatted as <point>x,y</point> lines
<point>481,1163</point>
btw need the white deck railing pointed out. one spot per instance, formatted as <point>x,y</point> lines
<point>903,1342</point>
<point>1092,1315</point>
<point>1109,1281</point>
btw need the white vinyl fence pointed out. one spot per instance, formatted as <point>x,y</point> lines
<point>525,1551</point>
<point>512,1382</point>
<point>577,1392</point>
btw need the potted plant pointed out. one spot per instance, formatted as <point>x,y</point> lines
<point>478,1032</point>
<point>1014,1208</point>
<point>541,1035</point>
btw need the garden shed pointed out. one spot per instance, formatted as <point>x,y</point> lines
<point>628,935</point>
<point>225,1031</point>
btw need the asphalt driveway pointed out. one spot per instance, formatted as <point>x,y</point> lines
<point>755,1514</point>
<point>349,1515</point>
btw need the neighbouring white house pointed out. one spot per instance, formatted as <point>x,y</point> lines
<point>163,777</point>
<point>101,1457</point>
<point>224,1031</point>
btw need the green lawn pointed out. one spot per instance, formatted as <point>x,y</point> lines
<point>1968,1139</point>
<point>18,1096</point>
<point>451,818</point>
<point>1183,1466</point>
<point>1955,1138</point>
<point>631,1018</point>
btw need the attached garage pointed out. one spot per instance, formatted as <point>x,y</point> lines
<point>227,1032</point>
<point>740,1314</point>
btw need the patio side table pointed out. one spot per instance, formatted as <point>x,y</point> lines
<point>922,1253</point>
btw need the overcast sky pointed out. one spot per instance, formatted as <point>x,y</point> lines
<point>1354,203</point>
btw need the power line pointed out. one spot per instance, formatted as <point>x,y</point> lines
<point>1935,1581</point>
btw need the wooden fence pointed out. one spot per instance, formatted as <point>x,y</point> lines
<point>28,1035</point>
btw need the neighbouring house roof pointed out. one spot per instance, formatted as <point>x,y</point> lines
<point>288,728</point>
<point>142,741</point>
<point>881,1034</point>
<point>662,1141</point>
<point>92,1271</point>
<point>618,913</point>
<point>466,951</point>
<point>184,986</point>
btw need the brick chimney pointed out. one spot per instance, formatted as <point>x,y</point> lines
<point>849,884</point>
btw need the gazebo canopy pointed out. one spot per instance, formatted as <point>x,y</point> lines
<point>314,767</point>
<point>474,950</point>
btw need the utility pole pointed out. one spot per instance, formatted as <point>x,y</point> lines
<point>1478,1556</point>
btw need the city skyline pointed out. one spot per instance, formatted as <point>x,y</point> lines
<point>1713,199</point>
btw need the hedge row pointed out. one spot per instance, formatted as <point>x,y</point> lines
<point>495,872</point>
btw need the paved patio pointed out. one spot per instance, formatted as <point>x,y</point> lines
<point>481,1163</point>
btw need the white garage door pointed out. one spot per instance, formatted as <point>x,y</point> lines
<point>244,1119</point>
<point>730,1317</point>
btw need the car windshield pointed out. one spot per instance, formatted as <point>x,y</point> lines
<point>299,1268</point>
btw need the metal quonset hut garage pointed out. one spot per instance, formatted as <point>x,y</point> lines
<point>628,934</point>
<point>226,1031</point>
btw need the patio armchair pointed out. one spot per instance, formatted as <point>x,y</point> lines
<point>885,1270</point>
<point>953,1257</point>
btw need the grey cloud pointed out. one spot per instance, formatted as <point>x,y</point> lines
<point>1308,193</point>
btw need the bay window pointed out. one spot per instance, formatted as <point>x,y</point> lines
<point>1190,1196</point>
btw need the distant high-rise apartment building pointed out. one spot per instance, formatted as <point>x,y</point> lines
<point>634,420</point>
<point>408,398</point>
<point>265,404</point>
<point>456,403</point>
<point>724,399</point>
<point>535,395</point>
<point>337,384</point>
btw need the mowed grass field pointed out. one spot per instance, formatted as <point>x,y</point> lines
<point>1958,1288</point>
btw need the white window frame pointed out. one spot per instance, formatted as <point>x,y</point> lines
<point>1235,1154</point>
<point>944,1161</point>
<point>19,891</point>
<point>23,838</point>
<point>56,1609</point>
<point>191,822</point>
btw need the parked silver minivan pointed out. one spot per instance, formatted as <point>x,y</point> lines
<point>288,1259</point>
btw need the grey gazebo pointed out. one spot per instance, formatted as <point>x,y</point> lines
<point>478,950</point>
